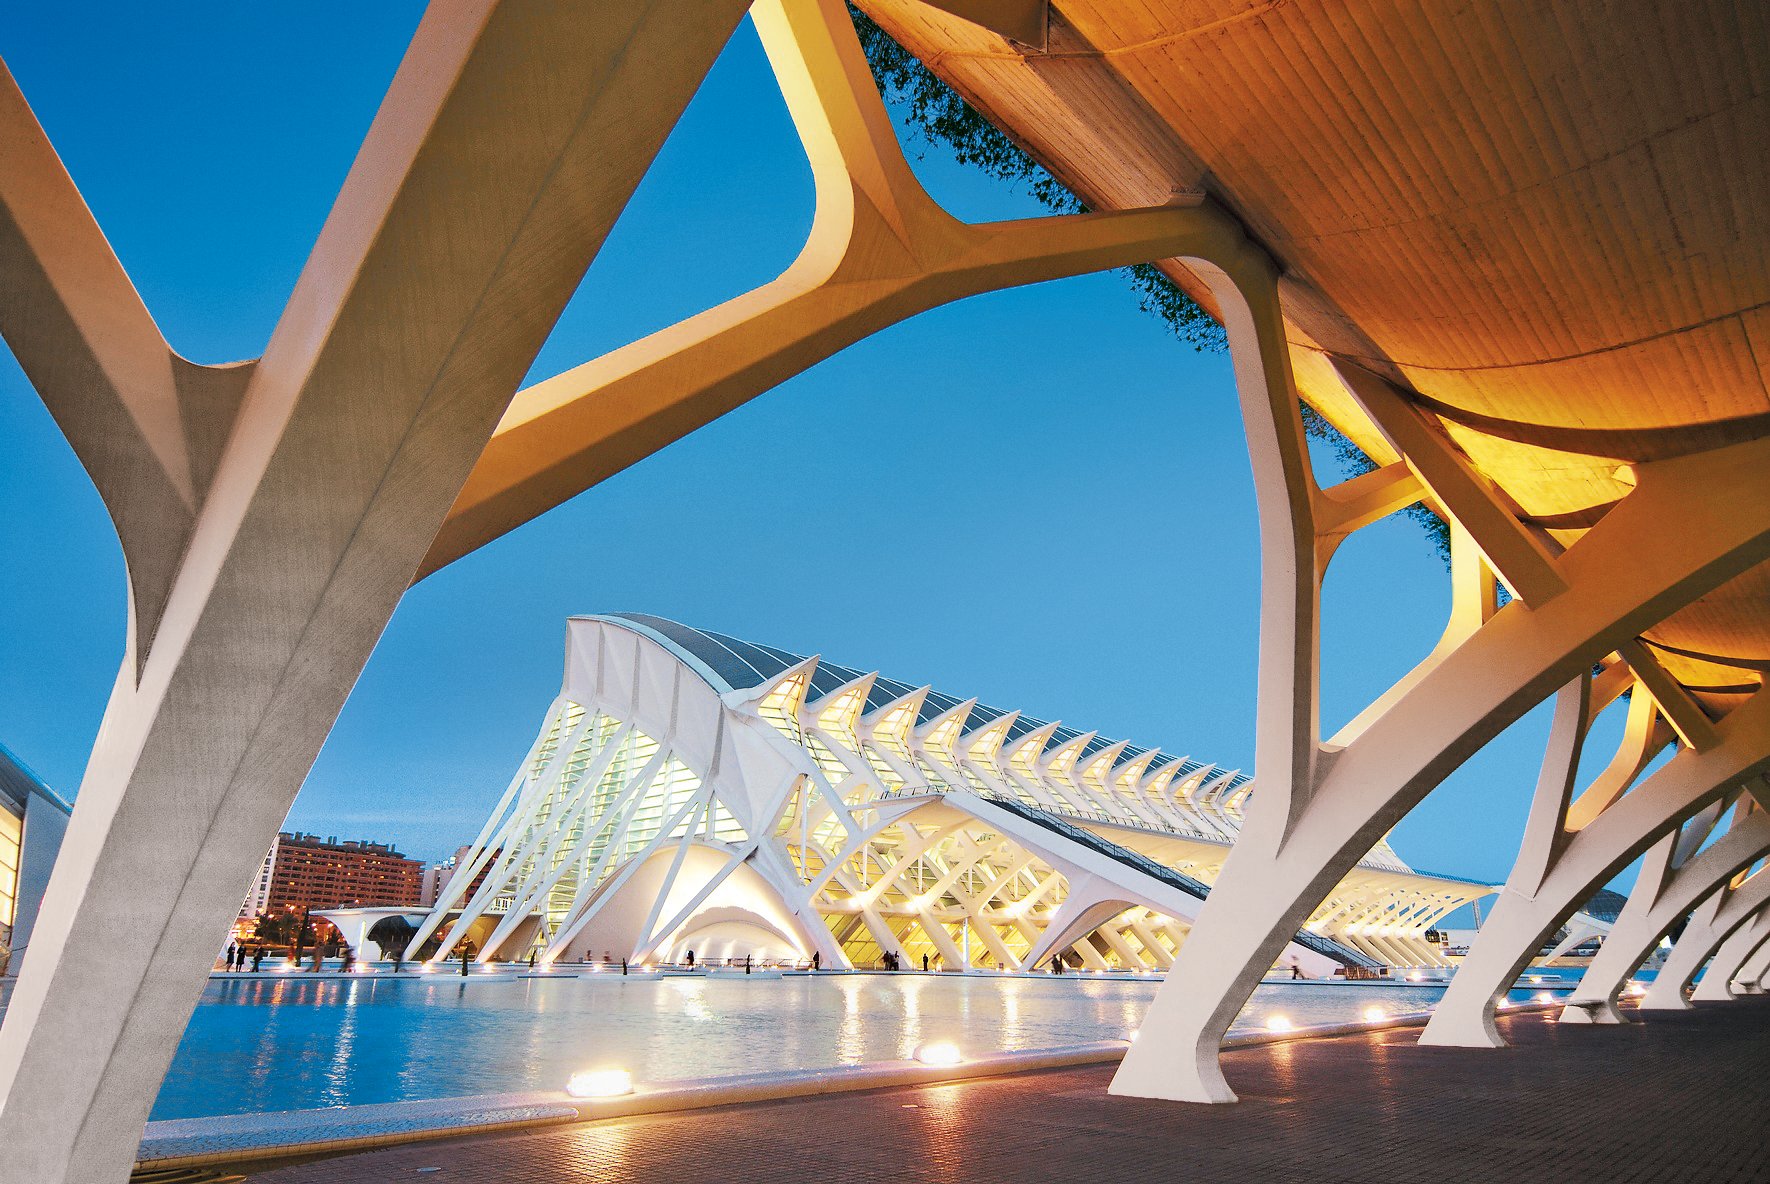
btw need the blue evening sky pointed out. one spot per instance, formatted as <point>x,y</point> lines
<point>1039,497</point>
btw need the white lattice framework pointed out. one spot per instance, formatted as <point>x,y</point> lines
<point>823,810</point>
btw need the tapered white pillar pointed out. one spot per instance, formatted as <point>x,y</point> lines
<point>272,515</point>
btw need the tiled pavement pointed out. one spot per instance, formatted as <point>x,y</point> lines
<point>1683,1098</point>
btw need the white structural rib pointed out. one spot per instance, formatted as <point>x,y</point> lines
<point>693,792</point>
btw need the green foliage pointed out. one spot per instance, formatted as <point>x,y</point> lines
<point>937,114</point>
<point>278,929</point>
<point>1354,463</point>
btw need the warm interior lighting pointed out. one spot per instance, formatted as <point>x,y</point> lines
<point>943,1053</point>
<point>600,1083</point>
<point>1278,1023</point>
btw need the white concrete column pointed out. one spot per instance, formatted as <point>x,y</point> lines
<point>1701,938</point>
<point>1656,904</point>
<point>1527,914</point>
<point>1717,981</point>
<point>288,504</point>
<point>1751,974</point>
<point>1319,808</point>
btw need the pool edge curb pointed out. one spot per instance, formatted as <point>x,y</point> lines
<point>666,1098</point>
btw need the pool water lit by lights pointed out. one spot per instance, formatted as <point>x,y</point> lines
<point>288,1044</point>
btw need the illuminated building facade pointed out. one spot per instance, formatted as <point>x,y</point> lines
<point>304,872</point>
<point>33,818</point>
<point>691,791</point>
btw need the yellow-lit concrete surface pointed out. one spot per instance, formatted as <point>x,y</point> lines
<point>1516,252</point>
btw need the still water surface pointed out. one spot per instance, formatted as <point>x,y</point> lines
<point>276,1044</point>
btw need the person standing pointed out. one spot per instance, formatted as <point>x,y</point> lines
<point>816,959</point>
<point>924,963</point>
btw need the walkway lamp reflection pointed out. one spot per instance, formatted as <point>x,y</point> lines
<point>940,1053</point>
<point>600,1083</point>
<point>1278,1023</point>
<point>1375,1015</point>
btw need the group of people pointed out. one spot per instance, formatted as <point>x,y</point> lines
<point>237,956</point>
<point>891,961</point>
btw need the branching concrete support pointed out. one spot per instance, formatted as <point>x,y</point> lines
<point>880,251</point>
<point>270,533</point>
<point>1724,969</point>
<point>1662,895</point>
<point>1531,908</point>
<point>1701,938</point>
<point>1750,976</point>
<point>1320,807</point>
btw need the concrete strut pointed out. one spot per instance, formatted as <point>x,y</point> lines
<point>268,550</point>
<point>271,516</point>
<point>1608,460</point>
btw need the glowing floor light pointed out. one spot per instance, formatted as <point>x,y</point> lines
<point>941,1053</point>
<point>1375,1015</point>
<point>600,1083</point>
<point>1544,997</point>
<point>1278,1023</point>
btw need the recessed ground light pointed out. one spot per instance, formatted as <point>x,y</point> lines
<point>600,1083</point>
<point>1278,1023</point>
<point>941,1053</point>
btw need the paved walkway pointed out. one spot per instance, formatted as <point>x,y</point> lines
<point>1684,1098</point>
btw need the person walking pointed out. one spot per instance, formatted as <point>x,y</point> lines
<point>816,959</point>
<point>257,958</point>
<point>691,959</point>
<point>233,955</point>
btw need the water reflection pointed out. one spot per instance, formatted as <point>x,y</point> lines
<point>290,1044</point>
<point>694,997</point>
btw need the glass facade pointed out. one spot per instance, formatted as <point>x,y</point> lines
<point>872,801</point>
<point>12,834</point>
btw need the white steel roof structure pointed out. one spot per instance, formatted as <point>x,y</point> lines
<point>692,791</point>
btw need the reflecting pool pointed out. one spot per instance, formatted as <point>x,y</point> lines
<point>293,1043</point>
